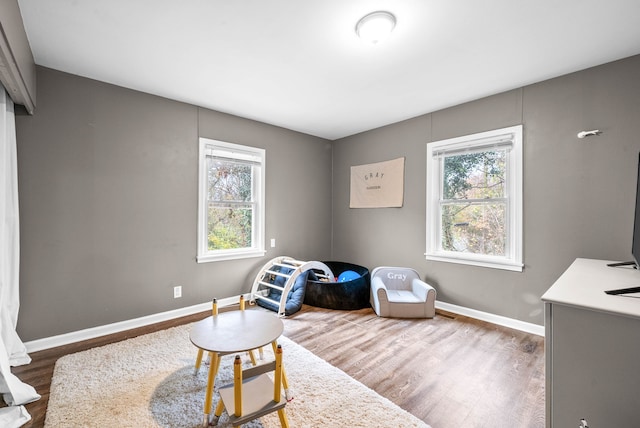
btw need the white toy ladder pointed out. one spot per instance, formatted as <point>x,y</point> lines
<point>266,277</point>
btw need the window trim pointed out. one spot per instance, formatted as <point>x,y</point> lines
<point>513,261</point>
<point>244,153</point>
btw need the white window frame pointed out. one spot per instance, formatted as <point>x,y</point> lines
<point>233,152</point>
<point>511,136</point>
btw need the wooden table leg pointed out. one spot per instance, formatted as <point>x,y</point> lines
<point>208,398</point>
<point>285,383</point>
<point>198,361</point>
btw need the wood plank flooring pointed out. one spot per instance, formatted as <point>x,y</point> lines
<point>450,371</point>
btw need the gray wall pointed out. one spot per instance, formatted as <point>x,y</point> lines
<point>107,181</point>
<point>108,203</point>
<point>579,195</point>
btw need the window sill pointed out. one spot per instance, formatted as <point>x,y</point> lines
<point>481,262</point>
<point>230,256</point>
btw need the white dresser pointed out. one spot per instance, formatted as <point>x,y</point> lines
<point>592,347</point>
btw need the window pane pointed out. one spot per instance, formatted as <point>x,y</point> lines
<point>229,181</point>
<point>229,227</point>
<point>477,228</point>
<point>475,175</point>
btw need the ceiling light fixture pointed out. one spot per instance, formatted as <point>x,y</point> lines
<point>375,27</point>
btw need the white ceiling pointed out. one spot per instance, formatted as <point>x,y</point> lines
<point>299,65</point>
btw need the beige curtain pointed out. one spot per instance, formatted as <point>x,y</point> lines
<point>12,351</point>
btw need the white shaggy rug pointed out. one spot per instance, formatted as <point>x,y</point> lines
<point>148,381</point>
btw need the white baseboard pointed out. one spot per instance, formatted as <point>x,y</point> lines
<point>91,333</point>
<point>492,318</point>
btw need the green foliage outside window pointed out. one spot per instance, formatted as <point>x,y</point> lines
<point>473,206</point>
<point>229,228</point>
<point>230,212</point>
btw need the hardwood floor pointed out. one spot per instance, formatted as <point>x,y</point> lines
<point>451,371</point>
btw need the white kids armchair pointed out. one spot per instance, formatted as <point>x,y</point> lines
<point>398,292</point>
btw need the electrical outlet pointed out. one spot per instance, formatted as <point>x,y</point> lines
<point>273,242</point>
<point>177,291</point>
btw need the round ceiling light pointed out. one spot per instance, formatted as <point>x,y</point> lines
<point>376,26</point>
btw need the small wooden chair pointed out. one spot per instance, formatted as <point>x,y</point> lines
<point>253,394</point>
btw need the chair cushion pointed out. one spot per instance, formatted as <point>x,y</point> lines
<point>295,296</point>
<point>403,296</point>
